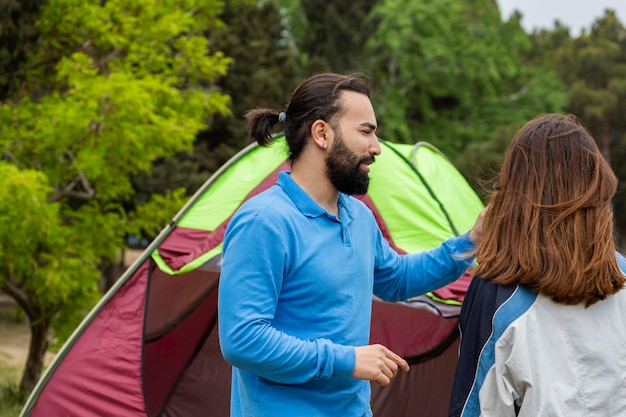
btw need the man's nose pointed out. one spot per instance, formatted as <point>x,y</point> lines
<point>375,147</point>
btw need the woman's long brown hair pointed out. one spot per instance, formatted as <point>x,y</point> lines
<point>549,221</point>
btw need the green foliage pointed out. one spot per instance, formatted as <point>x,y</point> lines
<point>150,218</point>
<point>18,38</point>
<point>38,253</point>
<point>544,43</point>
<point>262,74</point>
<point>26,217</point>
<point>295,27</point>
<point>113,87</point>
<point>450,73</point>
<point>336,34</point>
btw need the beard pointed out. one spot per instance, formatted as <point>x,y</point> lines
<point>343,168</point>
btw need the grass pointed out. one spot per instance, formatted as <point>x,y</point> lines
<point>11,400</point>
<point>11,330</point>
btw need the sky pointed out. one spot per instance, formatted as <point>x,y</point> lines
<point>575,14</point>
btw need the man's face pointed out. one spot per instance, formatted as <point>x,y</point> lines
<point>354,145</point>
<point>343,168</point>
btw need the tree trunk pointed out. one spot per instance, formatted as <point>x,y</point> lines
<point>39,326</point>
<point>36,353</point>
<point>111,271</point>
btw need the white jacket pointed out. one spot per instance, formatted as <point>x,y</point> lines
<point>524,355</point>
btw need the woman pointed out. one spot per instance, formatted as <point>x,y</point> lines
<point>543,324</point>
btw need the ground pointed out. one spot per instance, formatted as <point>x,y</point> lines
<point>14,340</point>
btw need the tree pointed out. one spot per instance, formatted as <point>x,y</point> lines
<point>337,33</point>
<point>18,37</point>
<point>32,225</point>
<point>262,73</point>
<point>111,87</point>
<point>451,73</point>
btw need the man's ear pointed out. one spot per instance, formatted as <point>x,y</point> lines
<point>320,132</point>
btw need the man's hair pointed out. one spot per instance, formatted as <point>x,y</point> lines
<point>549,221</point>
<point>317,97</point>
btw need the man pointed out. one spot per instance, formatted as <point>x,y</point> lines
<point>301,260</point>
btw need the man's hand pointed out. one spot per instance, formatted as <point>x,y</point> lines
<point>377,363</point>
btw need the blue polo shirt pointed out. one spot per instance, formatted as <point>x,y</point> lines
<point>295,297</point>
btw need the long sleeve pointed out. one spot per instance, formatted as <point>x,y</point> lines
<point>399,277</point>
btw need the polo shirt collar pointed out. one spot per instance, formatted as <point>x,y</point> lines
<point>304,202</point>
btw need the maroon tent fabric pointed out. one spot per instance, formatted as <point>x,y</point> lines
<point>101,374</point>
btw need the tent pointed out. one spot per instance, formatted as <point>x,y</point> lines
<point>150,346</point>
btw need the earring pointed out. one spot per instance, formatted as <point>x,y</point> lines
<point>324,147</point>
